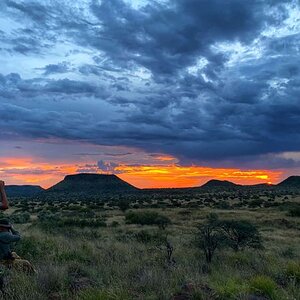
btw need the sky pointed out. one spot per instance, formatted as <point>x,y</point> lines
<point>161,93</point>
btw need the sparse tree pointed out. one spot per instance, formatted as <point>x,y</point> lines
<point>209,237</point>
<point>240,234</point>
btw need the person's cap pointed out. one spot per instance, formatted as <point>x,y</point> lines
<point>5,223</point>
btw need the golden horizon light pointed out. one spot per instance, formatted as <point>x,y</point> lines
<point>28,171</point>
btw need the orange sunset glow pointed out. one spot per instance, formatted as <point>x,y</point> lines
<point>27,171</point>
<point>178,176</point>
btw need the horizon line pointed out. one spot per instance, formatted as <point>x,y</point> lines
<point>155,188</point>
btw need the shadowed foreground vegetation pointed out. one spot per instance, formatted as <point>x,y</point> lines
<point>147,248</point>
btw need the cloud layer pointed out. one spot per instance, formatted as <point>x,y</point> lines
<point>209,82</point>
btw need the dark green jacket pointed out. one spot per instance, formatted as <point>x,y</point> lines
<point>6,239</point>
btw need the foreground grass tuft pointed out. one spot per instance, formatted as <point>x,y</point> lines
<point>263,285</point>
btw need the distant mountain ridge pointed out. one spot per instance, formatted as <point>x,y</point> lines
<point>290,182</point>
<point>92,184</point>
<point>23,190</point>
<point>97,184</point>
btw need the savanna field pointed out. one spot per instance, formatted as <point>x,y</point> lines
<point>150,150</point>
<point>151,246</point>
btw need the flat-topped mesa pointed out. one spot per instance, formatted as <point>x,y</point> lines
<point>88,183</point>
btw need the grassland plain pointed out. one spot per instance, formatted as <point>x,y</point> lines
<point>86,250</point>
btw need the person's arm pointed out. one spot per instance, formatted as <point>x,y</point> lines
<point>15,235</point>
<point>11,236</point>
<point>4,202</point>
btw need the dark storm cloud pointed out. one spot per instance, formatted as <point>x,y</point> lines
<point>90,69</point>
<point>164,38</point>
<point>102,153</point>
<point>167,38</point>
<point>13,86</point>
<point>34,10</point>
<point>70,87</point>
<point>168,75</point>
<point>62,67</point>
<point>37,123</point>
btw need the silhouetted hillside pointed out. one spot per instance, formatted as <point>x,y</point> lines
<point>260,185</point>
<point>23,190</point>
<point>290,182</point>
<point>92,184</point>
<point>219,184</point>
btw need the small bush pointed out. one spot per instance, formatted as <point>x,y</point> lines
<point>256,203</point>
<point>82,222</point>
<point>293,271</point>
<point>48,222</point>
<point>20,218</point>
<point>32,248</point>
<point>145,237</point>
<point>223,205</point>
<point>184,212</point>
<point>114,224</point>
<point>124,205</point>
<point>229,289</point>
<point>47,216</point>
<point>147,218</point>
<point>294,212</point>
<point>288,252</point>
<point>263,285</point>
<point>73,256</point>
<point>240,234</point>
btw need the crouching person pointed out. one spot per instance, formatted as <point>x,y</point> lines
<point>10,259</point>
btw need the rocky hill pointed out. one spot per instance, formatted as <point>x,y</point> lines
<point>219,184</point>
<point>290,182</point>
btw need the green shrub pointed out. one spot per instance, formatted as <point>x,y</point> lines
<point>47,216</point>
<point>32,248</point>
<point>82,222</point>
<point>256,203</point>
<point>20,218</point>
<point>293,271</point>
<point>223,205</point>
<point>263,285</point>
<point>288,252</point>
<point>124,205</point>
<point>229,289</point>
<point>145,237</point>
<point>147,218</point>
<point>294,211</point>
<point>114,224</point>
<point>73,256</point>
<point>240,234</point>
<point>50,222</point>
<point>184,212</point>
